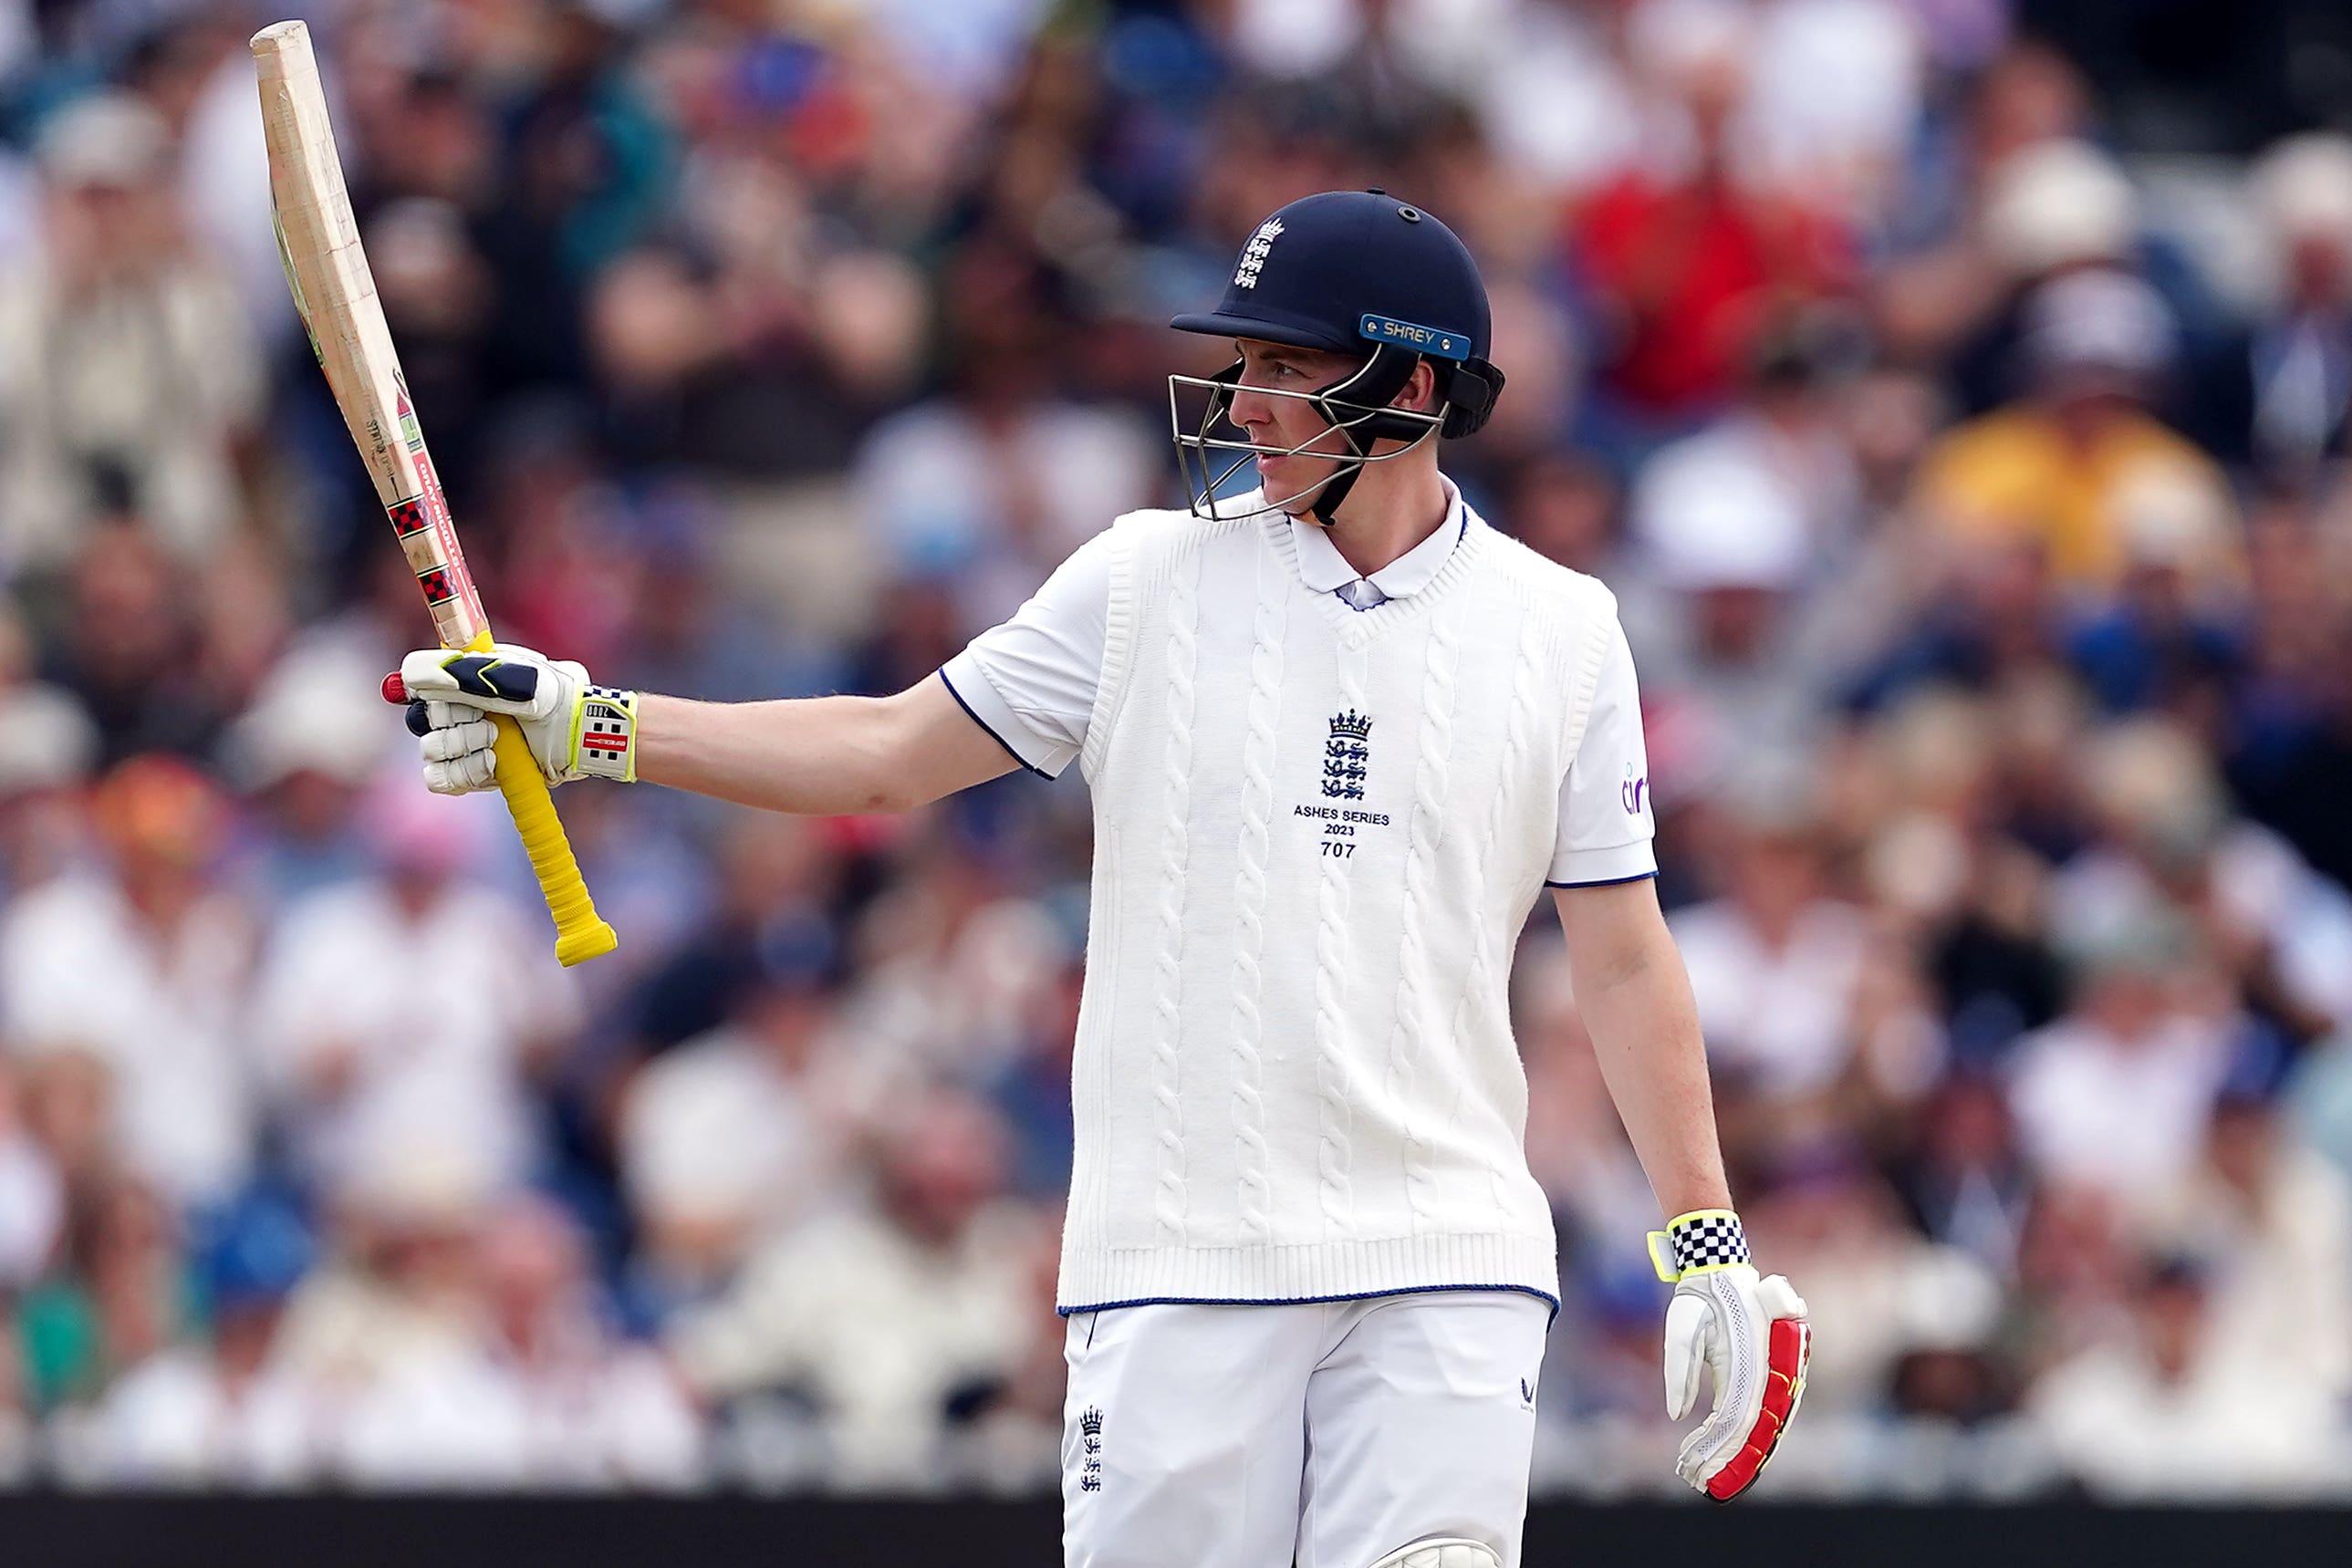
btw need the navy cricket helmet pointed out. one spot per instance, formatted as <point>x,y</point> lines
<point>1357,273</point>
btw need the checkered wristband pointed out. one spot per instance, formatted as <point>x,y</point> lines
<point>605,733</point>
<point>1693,1243</point>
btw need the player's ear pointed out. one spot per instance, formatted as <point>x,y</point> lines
<point>1420,393</point>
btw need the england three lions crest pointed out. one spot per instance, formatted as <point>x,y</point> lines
<point>1090,1428</point>
<point>1346,756</point>
<point>1254,254</point>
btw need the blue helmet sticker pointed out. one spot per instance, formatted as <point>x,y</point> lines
<point>1421,340</point>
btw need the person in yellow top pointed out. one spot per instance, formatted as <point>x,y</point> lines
<point>2079,464</point>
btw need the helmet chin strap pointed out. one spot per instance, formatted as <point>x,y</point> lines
<point>1374,385</point>
<point>1325,507</point>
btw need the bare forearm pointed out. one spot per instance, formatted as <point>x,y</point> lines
<point>818,756</point>
<point>1644,1030</point>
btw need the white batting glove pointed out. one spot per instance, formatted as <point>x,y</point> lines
<point>1749,1333</point>
<point>574,729</point>
<point>456,741</point>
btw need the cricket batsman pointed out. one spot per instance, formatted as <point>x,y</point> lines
<point>1340,734</point>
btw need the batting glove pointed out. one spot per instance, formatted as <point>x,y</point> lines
<point>574,729</point>
<point>1750,1334</point>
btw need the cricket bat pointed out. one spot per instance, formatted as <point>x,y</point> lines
<point>318,241</point>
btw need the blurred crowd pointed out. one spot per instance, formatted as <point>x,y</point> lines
<point>1972,483</point>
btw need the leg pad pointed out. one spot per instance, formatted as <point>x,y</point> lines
<point>1450,1553</point>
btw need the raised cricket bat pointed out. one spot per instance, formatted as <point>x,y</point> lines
<point>319,243</point>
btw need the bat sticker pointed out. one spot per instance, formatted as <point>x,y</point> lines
<point>408,517</point>
<point>406,413</point>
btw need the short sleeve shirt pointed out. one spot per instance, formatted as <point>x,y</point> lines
<point>1031,683</point>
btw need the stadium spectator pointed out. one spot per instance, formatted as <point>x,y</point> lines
<point>1565,508</point>
<point>218,1410</point>
<point>130,649</point>
<point>742,1131</point>
<point>128,377</point>
<point>114,1297</point>
<point>2160,1411</point>
<point>2172,636</point>
<point>1945,1372</point>
<point>2297,761</point>
<point>1778,965</point>
<point>2317,1098</point>
<point>42,775</point>
<point>1686,250</point>
<point>391,1332</point>
<point>897,1319</point>
<point>2114,1095</point>
<point>16,1421</point>
<point>993,484</point>
<point>1963,1180</point>
<point>303,753</point>
<point>954,961</point>
<point>2283,933</point>
<point>141,963</point>
<point>2271,1217</point>
<point>595,1411</point>
<point>345,1064</point>
<point>1710,605</point>
<point>32,1193</point>
<point>2066,469</point>
<point>2299,361</point>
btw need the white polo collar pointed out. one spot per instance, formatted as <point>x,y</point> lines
<point>1325,571</point>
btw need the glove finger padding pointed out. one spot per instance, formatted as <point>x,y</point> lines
<point>1751,1332</point>
<point>464,773</point>
<point>1689,1325</point>
<point>447,743</point>
<point>509,679</point>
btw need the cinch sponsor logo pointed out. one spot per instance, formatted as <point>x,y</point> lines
<point>1635,793</point>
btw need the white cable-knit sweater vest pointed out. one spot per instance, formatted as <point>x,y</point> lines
<point>1317,833</point>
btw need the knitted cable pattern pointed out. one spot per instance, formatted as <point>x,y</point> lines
<point>1334,1116</point>
<point>1168,1125</point>
<point>1529,643</point>
<point>1422,835</point>
<point>1257,1194</point>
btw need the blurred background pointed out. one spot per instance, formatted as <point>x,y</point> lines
<point>1954,393</point>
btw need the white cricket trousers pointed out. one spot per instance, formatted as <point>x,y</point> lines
<point>1324,1433</point>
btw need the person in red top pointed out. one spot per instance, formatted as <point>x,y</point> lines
<point>1688,265</point>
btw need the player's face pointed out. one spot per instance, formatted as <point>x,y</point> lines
<point>1287,423</point>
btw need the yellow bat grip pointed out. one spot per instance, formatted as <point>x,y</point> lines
<point>579,932</point>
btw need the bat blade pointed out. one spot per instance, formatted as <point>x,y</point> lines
<point>327,268</point>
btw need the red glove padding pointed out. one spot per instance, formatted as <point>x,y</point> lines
<point>1751,1336</point>
<point>1793,1344</point>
